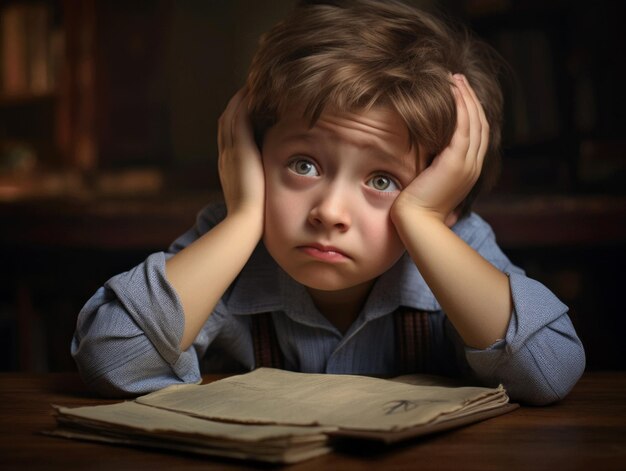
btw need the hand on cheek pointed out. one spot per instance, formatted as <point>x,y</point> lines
<point>240,163</point>
<point>442,186</point>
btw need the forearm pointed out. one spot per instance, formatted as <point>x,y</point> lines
<point>202,272</point>
<point>474,294</point>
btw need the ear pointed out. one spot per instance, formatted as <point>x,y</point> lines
<point>452,218</point>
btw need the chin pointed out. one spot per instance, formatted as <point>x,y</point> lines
<point>323,280</point>
<point>319,282</point>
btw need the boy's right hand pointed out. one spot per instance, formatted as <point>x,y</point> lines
<point>240,164</point>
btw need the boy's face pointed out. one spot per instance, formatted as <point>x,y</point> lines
<point>329,190</point>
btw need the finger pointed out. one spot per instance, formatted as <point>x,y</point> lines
<point>484,136</point>
<point>473,118</point>
<point>461,136</point>
<point>242,126</point>
<point>225,122</point>
<point>233,104</point>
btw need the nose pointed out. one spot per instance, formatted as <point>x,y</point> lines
<point>331,211</point>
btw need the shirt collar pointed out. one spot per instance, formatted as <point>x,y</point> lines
<point>263,286</point>
<point>402,285</point>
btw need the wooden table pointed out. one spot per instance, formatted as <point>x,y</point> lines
<point>586,431</point>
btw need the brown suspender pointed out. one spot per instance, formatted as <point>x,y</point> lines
<point>266,349</point>
<point>412,335</point>
<point>412,332</point>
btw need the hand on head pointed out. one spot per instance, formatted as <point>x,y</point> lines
<point>240,163</point>
<point>442,186</point>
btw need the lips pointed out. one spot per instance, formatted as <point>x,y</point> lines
<point>325,253</point>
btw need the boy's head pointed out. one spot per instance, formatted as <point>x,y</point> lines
<point>350,55</point>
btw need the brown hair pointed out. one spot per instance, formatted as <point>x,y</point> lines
<point>353,54</point>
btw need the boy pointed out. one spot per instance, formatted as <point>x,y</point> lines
<point>346,245</point>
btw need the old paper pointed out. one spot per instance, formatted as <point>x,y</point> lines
<point>269,396</point>
<point>136,424</point>
<point>282,417</point>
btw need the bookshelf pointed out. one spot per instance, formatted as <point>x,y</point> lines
<point>102,101</point>
<point>141,84</point>
<point>564,118</point>
<point>31,58</point>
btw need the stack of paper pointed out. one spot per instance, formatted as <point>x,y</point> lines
<point>280,416</point>
<point>132,423</point>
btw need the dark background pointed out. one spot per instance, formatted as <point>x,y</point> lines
<point>109,157</point>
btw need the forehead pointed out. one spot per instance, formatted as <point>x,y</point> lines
<point>379,130</point>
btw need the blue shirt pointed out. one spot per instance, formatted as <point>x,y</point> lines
<point>128,334</point>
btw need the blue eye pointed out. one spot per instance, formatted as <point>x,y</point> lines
<point>382,183</point>
<point>303,167</point>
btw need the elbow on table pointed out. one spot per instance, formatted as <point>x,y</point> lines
<point>95,372</point>
<point>132,371</point>
<point>547,382</point>
<point>108,386</point>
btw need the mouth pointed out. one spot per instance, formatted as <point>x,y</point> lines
<point>324,253</point>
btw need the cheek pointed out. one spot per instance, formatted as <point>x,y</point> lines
<point>271,196</point>
<point>281,211</point>
<point>380,234</point>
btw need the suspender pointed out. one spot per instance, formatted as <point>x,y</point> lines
<point>412,338</point>
<point>266,349</point>
<point>412,332</point>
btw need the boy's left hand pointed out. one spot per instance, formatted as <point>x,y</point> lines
<point>443,185</point>
<point>473,293</point>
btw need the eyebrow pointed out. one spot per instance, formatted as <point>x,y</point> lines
<point>378,153</point>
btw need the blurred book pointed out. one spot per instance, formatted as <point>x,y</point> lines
<point>31,49</point>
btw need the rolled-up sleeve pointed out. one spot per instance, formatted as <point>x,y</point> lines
<point>128,334</point>
<point>541,358</point>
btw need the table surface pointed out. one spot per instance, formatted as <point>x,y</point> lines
<point>586,431</point>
